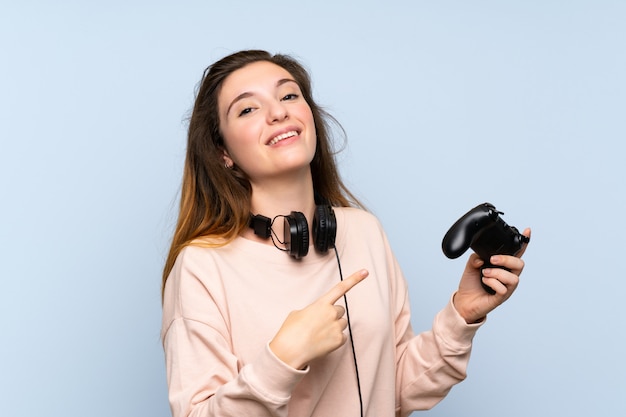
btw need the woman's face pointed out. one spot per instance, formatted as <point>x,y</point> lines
<point>267,125</point>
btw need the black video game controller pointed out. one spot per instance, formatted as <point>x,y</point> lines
<point>483,230</point>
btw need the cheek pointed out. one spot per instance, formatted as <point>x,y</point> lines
<point>306,115</point>
<point>241,143</point>
<point>236,136</point>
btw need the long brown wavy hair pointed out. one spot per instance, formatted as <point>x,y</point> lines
<point>215,200</point>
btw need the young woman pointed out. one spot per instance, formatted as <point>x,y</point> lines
<point>255,323</point>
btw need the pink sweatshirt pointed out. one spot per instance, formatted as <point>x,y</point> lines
<point>223,305</point>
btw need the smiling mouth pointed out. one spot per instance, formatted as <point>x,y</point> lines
<point>282,136</point>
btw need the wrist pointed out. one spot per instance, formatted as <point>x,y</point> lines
<point>470,317</point>
<point>286,355</point>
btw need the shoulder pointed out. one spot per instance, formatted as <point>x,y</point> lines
<point>194,284</point>
<point>356,219</point>
<point>196,266</point>
<point>357,214</point>
<point>192,255</point>
<point>359,227</point>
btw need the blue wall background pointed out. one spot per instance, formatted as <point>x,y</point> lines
<point>446,103</point>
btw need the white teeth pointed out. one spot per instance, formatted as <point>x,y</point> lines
<point>282,136</point>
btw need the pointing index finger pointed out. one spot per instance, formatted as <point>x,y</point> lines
<point>343,287</point>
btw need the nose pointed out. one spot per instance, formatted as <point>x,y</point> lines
<point>277,112</point>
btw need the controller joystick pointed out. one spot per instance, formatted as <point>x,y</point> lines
<point>483,230</point>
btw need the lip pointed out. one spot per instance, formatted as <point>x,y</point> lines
<point>282,132</point>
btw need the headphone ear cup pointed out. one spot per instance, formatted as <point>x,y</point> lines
<point>296,234</point>
<point>324,228</point>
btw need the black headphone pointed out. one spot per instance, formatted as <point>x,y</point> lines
<point>297,230</point>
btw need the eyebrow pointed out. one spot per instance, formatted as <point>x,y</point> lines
<point>249,94</point>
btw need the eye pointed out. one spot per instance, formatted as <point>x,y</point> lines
<point>291,96</point>
<point>245,111</point>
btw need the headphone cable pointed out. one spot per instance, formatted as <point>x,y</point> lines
<point>356,367</point>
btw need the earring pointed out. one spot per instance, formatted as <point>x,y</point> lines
<point>227,165</point>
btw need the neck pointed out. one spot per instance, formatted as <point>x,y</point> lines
<point>281,197</point>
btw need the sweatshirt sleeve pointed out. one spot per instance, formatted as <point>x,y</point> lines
<point>429,364</point>
<point>204,376</point>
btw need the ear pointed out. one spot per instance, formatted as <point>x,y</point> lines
<point>228,161</point>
